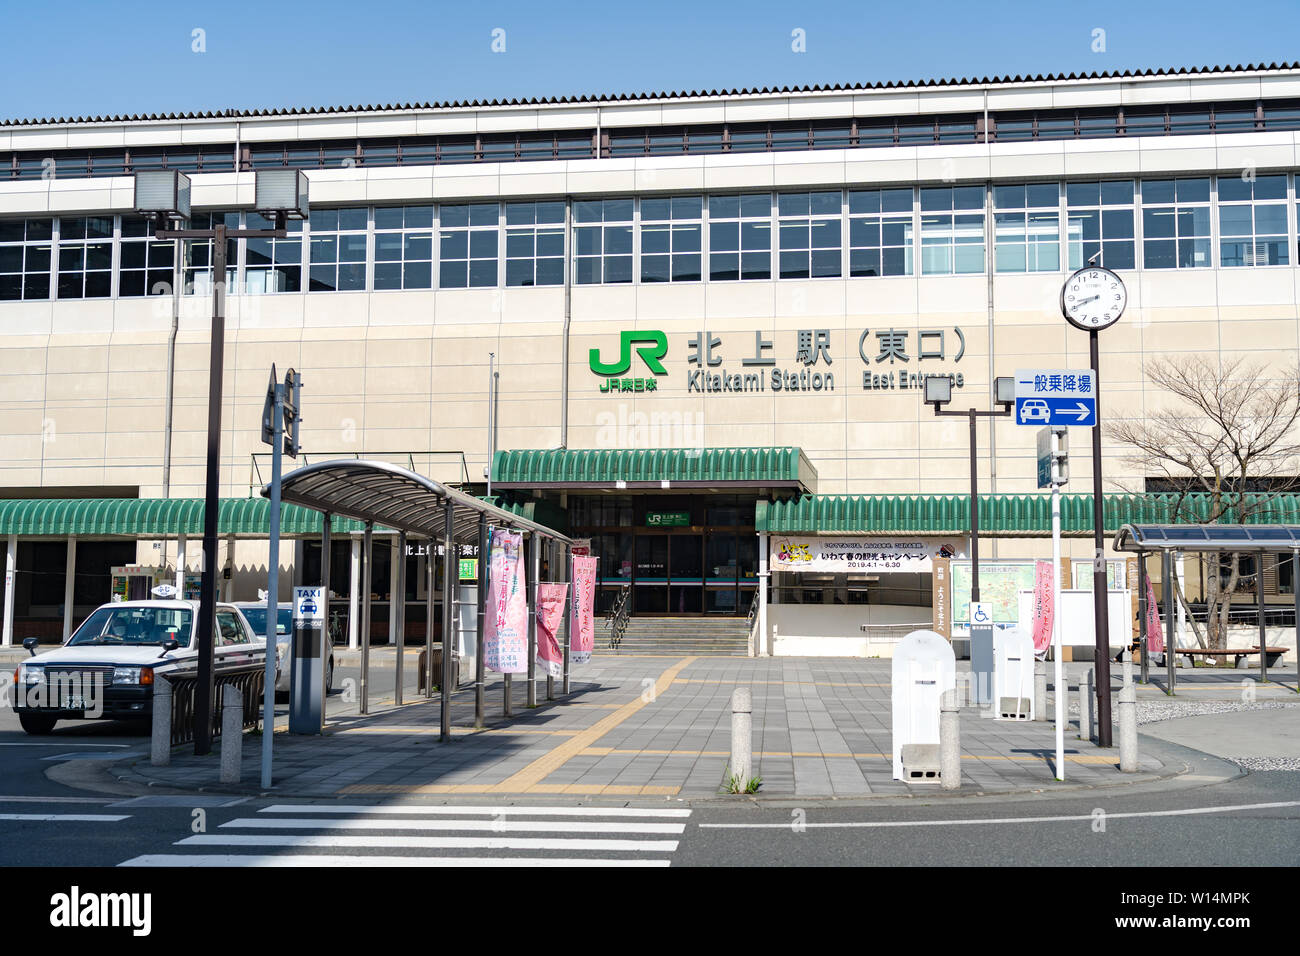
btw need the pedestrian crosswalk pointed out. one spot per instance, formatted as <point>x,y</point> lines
<point>329,835</point>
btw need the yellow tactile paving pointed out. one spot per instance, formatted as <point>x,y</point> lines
<point>543,766</point>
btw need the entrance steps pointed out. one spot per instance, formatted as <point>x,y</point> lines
<point>709,636</point>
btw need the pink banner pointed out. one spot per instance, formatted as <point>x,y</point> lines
<point>550,611</point>
<point>1155,635</point>
<point>505,628</point>
<point>582,626</point>
<point>1043,606</point>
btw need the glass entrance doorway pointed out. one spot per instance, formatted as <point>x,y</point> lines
<point>667,574</point>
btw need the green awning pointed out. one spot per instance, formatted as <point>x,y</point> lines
<point>1002,515</point>
<point>765,467</point>
<point>544,512</point>
<point>154,517</point>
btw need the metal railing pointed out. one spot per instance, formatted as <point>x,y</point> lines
<point>617,617</point>
<point>249,678</point>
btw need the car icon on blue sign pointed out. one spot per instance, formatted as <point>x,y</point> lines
<point>1035,409</point>
<point>308,606</point>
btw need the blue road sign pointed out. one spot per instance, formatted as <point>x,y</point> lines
<point>1056,397</point>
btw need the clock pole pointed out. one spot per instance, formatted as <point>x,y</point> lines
<point>1100,596</point>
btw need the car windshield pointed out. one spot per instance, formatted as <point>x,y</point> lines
<point>257,618</point>
<point>134,625</point>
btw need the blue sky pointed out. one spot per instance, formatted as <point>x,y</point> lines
<point>76,58</point>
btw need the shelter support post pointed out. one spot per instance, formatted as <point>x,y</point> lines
<point>1259,595</point>
<point>399,629</point>
<point>368,552</point>
<point>483,560</point>
<point>1142,616</point>
<point>535,559</point>
<point>448,641</point>
<point>550,572</point>
<point>764,573</point>
<point>1171,650</point>
<point>568,617</point>
<point>430,576</point>
<point>70,579</point>
<point>326,640</point>
<point>354,595</point>
<point>180,566</point>
<point>11,572</point>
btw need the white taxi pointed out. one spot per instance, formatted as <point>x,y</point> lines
<point>107,667</point>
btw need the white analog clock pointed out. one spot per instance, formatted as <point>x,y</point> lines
<point>1093,298</point>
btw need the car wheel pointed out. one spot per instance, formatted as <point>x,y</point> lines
<point>37,725</point>
<point>329,676</point>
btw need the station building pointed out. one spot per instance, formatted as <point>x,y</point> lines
<point>710,316</point>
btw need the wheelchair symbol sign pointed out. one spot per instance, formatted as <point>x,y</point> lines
<point>981,612</point>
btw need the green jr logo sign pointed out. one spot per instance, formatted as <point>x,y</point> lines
<point>650,353</point>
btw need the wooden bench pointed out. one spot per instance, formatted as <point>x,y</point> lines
<point>1238,654</point>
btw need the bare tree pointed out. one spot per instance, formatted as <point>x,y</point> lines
<point>1226,447</point>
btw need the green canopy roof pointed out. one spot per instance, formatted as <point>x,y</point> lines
<point>154,517</point>
<point>1004,515</point>
<point>770,467</point>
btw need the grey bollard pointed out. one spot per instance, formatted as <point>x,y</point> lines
<point>949,742</point>
<point>232,733</point>
<point>1040,690</point>
<point>741,766</point>
<point>1128,728</point>
<point>160,743</point>
<point>1087,704</point>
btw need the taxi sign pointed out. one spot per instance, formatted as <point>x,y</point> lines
<point>1053,396</point>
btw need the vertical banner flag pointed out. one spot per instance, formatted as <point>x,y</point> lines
<point>1155,635</point>
<point>582,626</point>
<point>505,630</point>
<point>1043,606</point>
<point>551,599</point>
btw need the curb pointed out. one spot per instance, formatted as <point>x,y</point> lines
<point>1177,762</point>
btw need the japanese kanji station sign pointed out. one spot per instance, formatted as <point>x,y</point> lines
<point>811,369</point>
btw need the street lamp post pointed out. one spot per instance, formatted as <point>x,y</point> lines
<point>163,196</point>
<point>938,392</point>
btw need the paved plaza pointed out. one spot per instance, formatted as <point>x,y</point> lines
<point>660,727</point>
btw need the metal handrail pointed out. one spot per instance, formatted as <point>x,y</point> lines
<point>248,678</point>
<point>617,617</point>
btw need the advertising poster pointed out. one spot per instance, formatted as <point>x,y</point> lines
<point>505,630</point>
<point>832,555</point>
<point>1044,608</point>
<point>582,625</point>
<point>1155,635</point>
<point>551,599</point>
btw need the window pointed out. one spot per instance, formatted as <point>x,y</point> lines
<point>25,246</point>
<point>85,257</point>
<point>880,232</point>
<point>273,265</point>
<point>1099,218</point>
<point>952,230</point>
<point>740,237</point>
<point>603,240</point>
<point>338,250</point>
<point>403,247</point>
<point>534,243</point>
<point>670,239</point>
<point>1252,221</point>
<point>1026,228</point>
<point>810,225</point>
<point>1176,223</point>
<point>468,246</point>
<point>198,254</point>
<point>144,263</point>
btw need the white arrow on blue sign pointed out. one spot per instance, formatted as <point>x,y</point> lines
<point>1053,396</point>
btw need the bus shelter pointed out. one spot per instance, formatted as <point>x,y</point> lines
<point>1165,540</point>
<point>386,495</point>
